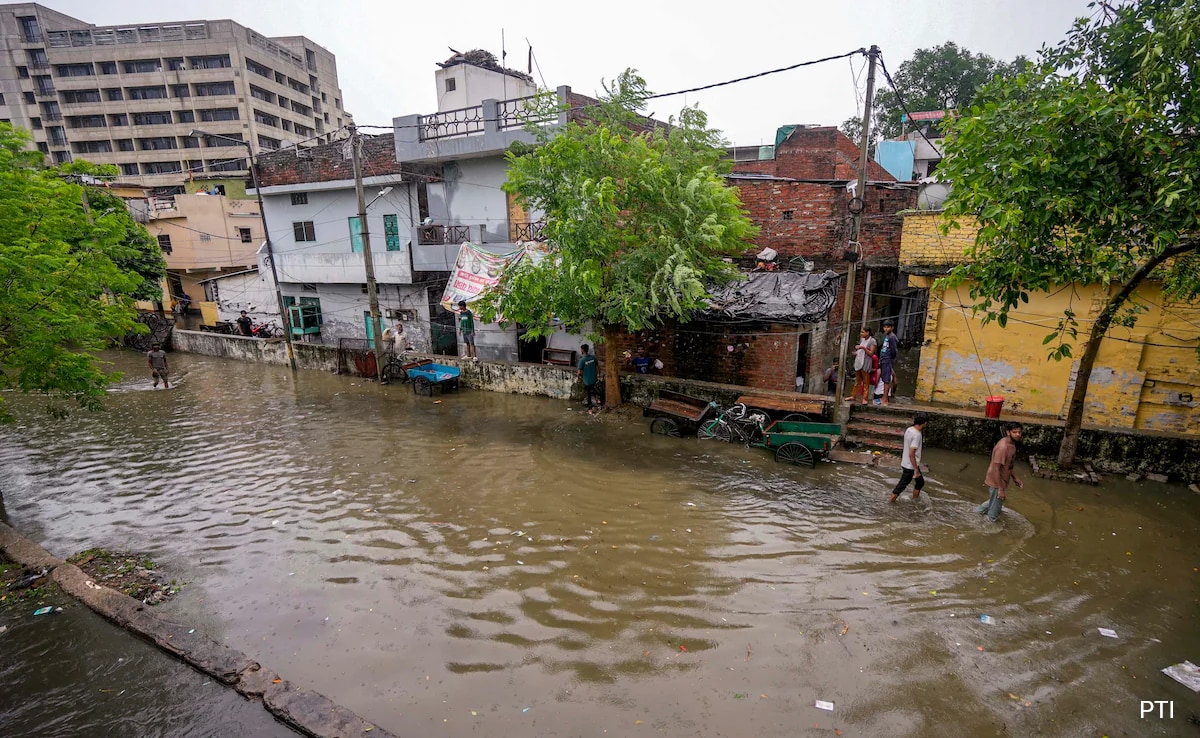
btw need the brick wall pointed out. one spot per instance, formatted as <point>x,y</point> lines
<point>924,248</point>
<point>816,153</point>
<point>326,163</point>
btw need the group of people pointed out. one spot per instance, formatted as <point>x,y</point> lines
<point>874,365</point>
<point>999,472</point>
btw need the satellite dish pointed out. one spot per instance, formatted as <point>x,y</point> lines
<point>428,221</point>
<point>932,195</point>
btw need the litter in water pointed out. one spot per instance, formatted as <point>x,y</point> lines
<point>1107,632</point>
<point>987,619</point>
<point>43,610</point>
<point>1187,674</point>
<point>823,705</point>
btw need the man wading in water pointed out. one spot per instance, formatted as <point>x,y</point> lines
<point>157,358</point>
<point>1000,472</point>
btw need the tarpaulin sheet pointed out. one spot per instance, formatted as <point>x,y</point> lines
<point>792,297</point>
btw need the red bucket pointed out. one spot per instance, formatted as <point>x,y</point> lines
<point>992,409</point>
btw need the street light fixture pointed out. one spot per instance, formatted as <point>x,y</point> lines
<point>262,214</point>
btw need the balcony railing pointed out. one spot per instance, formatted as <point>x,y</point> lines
<point>527,231</point>
<point>436,235</point>
<point>460,122</point>
<point>521,111</point>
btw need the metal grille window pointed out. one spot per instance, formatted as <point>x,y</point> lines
<point>304,231</point>
<point>156,144</point>
<point>92,147</point>
<point>391,232</point>
<point>148,93</point>
<point>299,198</point>
<point>73,70</point>
<point>118,119</point>
<point>180,91</point>
<point>244,234</point>
<point>185,116</point>
<point>151,119</point>
<point>81,96</point>
<point>108,67</point>
<point>140,66</point>
<point>223,141</point>
<point>87,121</point>
<point>126,144</point>
<point>37,58</point>
<point>164,243</point>
<point>114,94</point>
<point>213,89</point>
<point>163,167</point>
<point>129,170</point>
<point>219,114</point>
<point>218,61</point>
<point>259,69</point>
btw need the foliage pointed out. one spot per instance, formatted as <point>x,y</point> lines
<point>1082,169</point>
<point>938,78</point>
<point>63,293</point>
<point>638,220</point>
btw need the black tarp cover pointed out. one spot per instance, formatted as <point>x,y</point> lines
<point>791,297</point>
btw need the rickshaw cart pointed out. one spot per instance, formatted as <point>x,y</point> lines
<point>425,375</point>
<point>675,413</point>
<point>799,407</point>
<point>798,442</point>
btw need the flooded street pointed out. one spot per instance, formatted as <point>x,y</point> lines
<point>497,565</point>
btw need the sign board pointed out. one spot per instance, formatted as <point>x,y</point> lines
<point>475,271</point>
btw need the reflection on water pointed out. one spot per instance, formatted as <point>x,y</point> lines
<point>509,566</point>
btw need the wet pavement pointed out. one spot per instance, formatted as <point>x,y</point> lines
<point>507,566</point>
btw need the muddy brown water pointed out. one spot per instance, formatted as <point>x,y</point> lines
<point>507,566</point>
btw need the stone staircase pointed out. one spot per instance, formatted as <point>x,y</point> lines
<point>872,428</point>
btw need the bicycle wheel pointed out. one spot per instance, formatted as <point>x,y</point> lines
<point>722,431</point>
<point>796,418</point>
<point>706,431</point>
<point>795,453</point>
<point>423,386</point>
<point>665,427</point>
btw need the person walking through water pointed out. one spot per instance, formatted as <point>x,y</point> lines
<point>466,323</point>
<point>863,366</point>
<point>157,358</point>
<point>910,458</point>
<point>588,372</point>
<point>1000,472</point>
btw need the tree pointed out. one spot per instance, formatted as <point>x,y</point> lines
<point>62,293</point>
<point>1083,170</point>
<point>638,220</point>
<point>939,78</point>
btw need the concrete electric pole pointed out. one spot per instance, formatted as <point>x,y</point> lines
<point>368,261</point>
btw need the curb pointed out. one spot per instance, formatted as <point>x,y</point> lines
<point>310,713</point>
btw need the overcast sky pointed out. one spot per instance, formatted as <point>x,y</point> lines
<point>386,49</point>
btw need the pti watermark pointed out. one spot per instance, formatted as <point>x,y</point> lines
<point>1157,709</point>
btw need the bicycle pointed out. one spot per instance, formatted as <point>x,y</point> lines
<point>266,330</point>
<point>736,421</point>
<point>395,369</point>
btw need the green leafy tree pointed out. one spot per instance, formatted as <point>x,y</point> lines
<point>1083,170</point>
<point>942,77</point>
<point>63,294</point>
<point>638,220</point>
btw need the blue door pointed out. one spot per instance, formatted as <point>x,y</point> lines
<point>370,334</point>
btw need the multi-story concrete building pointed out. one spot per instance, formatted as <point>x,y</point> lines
<point>131,95</point>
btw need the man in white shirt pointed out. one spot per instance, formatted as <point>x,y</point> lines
<point>910,458</point>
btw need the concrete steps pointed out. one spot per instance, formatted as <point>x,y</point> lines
<point>876,431</point>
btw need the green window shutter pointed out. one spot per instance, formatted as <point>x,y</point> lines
<point>356,243</point>
<point>391,232</point>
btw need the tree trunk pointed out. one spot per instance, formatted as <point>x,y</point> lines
<point>612,368</point>
<point>1083,376</point>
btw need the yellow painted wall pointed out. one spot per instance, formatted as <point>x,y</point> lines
<point>1146,377</point>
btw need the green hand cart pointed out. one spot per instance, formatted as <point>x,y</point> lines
<point>800,443</point>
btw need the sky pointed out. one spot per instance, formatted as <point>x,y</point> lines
<point>387,49</point>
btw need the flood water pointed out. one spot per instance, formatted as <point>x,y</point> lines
<point>497,565</point>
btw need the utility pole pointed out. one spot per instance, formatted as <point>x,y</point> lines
<point>368,261</point>
<point>841,414</point>
<point>262,216</point>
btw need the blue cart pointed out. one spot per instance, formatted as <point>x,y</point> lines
<point>425,375</point>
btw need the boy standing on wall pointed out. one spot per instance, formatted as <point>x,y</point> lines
<point>466,323</point>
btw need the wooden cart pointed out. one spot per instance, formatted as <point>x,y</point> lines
<point>798,442</point>
<point>675,413</point>
<point>797,408</point>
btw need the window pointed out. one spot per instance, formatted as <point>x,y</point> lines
<point>156,144</point>
<point>92,147</point>
<point>185,116</point>
<point>62,157</point>
<point>74,70</point>
<point>391,232</point>
<point>162,167</point>
<point>356,240</point>
<point>258,69</point>
<point>151,119</point>
<point>244,234</point>
<point>213,89</point>
<point>451,85</point>
<point>118,119</point>
<point>266,120</point>
<point>297,86</point>
<point>788,214</point>
<point>50,110</point>
<point>204,237</point>
<point>37,58</point>
<point>129,170</point>
<point>126,144</point>
<point>260,94</point>
<point>280,78</point>
<point>214,142</point>
<point>299,198</point>
<point>44,85</point>
<point>337,103</point>
<point>287,125</point>
<point>43,147</point>
<point>23,72</point>
<point>209,62</point>
<point>36,123</point>
<point>58,137</point>
<point>269,143</point>
<point>164,242</point>
<point>190,142</point>
<point>324,98</point>
<point>176,64</point>
<point>218,114</point>
<point>113,94</point>
<point>141,66</point>
<point>227,165</point>
<point>2,98</point>
<point>81,96</point>
<point>180,91</point>
<point>30,33</point>
<point>87,121</point>
<point>284,102</point>
<point>108,67</point>
<point>148,93</point>
<point>304,231</point>
<point>29,99</point>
